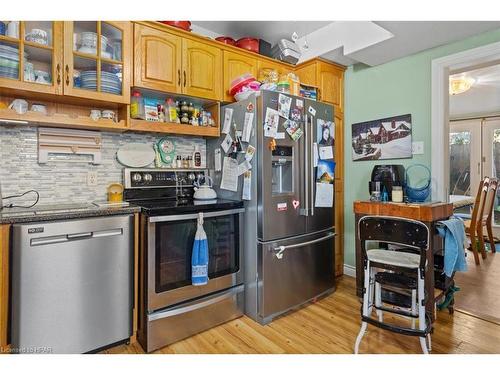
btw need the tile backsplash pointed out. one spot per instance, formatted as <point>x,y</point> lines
<point>62,180</point>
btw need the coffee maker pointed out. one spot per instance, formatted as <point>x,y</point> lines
<point>386,176</point>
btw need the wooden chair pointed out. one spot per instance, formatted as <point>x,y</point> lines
<point>477,213</point>
<point>485,219</point>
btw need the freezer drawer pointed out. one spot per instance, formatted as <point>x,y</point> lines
<point>184,320</point>
<point>294,271</point>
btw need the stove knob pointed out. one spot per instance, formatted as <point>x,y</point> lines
<point>148,177</point>
<point>136,177</point>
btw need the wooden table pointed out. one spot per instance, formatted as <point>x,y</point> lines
<point>427,213</point>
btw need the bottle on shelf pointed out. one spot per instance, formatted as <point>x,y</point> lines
<point>197,157</point>
<point>137,106</point>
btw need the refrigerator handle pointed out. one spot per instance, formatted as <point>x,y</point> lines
<point>305,211</point>
<point>311,155</point>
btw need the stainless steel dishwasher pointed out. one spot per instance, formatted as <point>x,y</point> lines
<point>72,284</point>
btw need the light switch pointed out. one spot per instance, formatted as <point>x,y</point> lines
<point>417,148</point>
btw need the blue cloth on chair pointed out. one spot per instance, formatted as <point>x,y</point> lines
<point>454,252</point>
<point>463,216</point>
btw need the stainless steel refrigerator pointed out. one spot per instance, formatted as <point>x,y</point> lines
<point>289,242</point>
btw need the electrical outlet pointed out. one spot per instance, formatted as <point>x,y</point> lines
<point>417,148</point>
<point>91,178</point>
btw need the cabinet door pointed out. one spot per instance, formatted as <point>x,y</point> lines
<point>97,58</point>
<point>201,70</point>
<point>234,66</point>
<point>330,82</point>
<point>265,66</point>
<point>157,59</point>
<point>307,74</point>
<point>31,56</point>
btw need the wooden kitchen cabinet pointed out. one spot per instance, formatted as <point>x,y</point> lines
<point>327,77</point>
<point>102,71</point>
<point>307,73</point>
<point>61,65</point>
<point>330,80</point>
<point>31,63</point>
<point>236,64</point>
<point>157,59</point>
<point>201,70</point>
<point>170,63</point>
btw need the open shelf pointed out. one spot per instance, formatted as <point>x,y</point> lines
<point>173,128</point>
<point>11,117</point>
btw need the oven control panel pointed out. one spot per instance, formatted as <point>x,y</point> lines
<point>161,178</point>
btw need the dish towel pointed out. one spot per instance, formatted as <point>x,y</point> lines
<point>199,258</point>
<point>453,232</point>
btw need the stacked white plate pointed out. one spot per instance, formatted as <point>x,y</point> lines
<point>9,61</point>
<point>110,82</point>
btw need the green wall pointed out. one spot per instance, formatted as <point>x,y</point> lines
<point>395,88</point>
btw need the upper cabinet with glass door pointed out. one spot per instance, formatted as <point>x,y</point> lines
<point>97,60</point>
<point>30,56</point>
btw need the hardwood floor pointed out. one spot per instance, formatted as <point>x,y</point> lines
<point>331,326</point>
<point>479,293</point>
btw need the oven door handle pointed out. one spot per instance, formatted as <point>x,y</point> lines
<point>159,219</point>
<point>196,306</point>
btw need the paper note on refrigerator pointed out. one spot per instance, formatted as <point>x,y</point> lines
<point>284,104</point>
<point>228,116</point>
<point>326,152</point>
<point>247,185</point>
<point>226,143</point>
<point>249,153</point>
<point>247,127</point>
<point>229,174</point>
<point>218,160</point>
<point>315,154</point>
<point>243,167</point>
<point>271,122</point>
<point>324,195</point>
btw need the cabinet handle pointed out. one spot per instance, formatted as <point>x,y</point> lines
<point>184,78</point>
<point>67,75</point>
<point>58,68</point>
<point>179,75</point>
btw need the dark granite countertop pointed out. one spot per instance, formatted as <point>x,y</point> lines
<point>62,212</point>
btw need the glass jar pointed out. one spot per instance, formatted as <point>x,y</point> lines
<point>397,194</point>
<point>375,197</point>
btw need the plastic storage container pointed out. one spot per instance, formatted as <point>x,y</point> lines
<point>286,50</point>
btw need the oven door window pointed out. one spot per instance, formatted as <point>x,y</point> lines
<point>174,244</point>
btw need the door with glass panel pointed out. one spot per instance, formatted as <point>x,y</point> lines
<point>465,157</point>
<point>491,157</point>
<point>97,59</point>
<point>31,56</point>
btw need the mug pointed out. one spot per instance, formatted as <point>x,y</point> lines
<point>13,29</point>
<point>41,108</point>
<point>95,114</point>
<point>20,106</point>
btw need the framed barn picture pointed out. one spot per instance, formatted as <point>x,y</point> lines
<point>387,138</point>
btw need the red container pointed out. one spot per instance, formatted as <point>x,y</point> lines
<point>184,25</point>
<point>250,44</point>
<point>226,40</point>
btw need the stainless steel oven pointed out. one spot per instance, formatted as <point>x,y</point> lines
<point>169,243</point>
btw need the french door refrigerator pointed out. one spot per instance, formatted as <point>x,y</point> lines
<point>289,259</point>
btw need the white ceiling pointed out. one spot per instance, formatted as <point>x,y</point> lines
<point>409,37</point>
<point>482,98</point>
<point>271,31</point>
